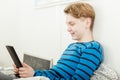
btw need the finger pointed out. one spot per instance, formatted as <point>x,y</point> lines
<point>15,69</point>
<point>22,72</point>
<point>16,72</point>
<point>22,69</point>
<point>25,65</point>
<point>14,66</point>
<point>22,75</point>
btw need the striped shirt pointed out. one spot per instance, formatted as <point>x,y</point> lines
<point>78,62</point>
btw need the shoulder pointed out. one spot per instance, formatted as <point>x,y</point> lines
<point>86,45</point>
<point>93,46</point>
<point>94,49</point>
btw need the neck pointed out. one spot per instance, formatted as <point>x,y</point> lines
<point>87,37</point>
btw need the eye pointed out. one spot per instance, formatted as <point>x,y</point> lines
<point>71,24</point>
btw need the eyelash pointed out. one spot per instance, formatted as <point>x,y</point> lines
<point>71,24</point>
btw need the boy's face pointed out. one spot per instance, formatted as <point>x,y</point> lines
<point>76,27</point>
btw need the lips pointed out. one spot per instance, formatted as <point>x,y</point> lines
<point>72,34</point>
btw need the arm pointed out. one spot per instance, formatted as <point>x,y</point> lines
<point>89,61</point>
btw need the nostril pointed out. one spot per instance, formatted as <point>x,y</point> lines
<point>68,29</point>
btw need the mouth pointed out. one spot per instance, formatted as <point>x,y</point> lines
<point>72,34</point>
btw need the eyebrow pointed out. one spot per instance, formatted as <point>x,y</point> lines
<point>70,22</point>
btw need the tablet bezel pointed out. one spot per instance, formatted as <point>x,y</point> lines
<point>14,56</point>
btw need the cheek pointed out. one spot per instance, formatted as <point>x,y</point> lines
<point>79,31</point>
<point>81,28</point>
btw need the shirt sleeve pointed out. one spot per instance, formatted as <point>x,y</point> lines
<point>89,62</point>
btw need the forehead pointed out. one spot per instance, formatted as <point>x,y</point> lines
<point>70,18</point>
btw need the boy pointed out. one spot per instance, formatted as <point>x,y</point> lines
<point>80,59</point>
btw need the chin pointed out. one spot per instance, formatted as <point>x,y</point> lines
<point>74,39</point>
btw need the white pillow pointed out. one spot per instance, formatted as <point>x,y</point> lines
<point>104,73</point>
<point>34,78</point>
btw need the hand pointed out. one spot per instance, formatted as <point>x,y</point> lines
<point>15,69</point>
<point>25,71</point>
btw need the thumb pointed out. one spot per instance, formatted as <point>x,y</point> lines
<point>25,65</point>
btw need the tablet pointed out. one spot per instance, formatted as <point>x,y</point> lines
<point>14,56</point>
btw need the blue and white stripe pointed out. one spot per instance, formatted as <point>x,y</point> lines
<point>78,62</point>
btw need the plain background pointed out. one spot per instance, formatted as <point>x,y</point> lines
<point>43,32</point>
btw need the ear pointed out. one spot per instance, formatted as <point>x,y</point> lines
<point>88,23</point>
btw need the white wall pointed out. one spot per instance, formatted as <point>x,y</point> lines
<point>8,23</point>
<point>42,32</point>
<point>107,31</point>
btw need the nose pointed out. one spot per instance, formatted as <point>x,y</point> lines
<point>69,29</point>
